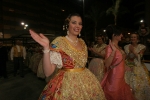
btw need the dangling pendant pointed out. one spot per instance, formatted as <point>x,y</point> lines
<point>79,34</point>
<point>67,32</point>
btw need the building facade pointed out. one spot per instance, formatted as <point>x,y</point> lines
<point>43,16</point>
<point>141,11</point>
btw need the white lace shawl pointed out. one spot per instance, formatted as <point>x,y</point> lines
<point>137,50</point>
<point>55,58</point>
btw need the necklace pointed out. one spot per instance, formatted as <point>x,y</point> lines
<point>74,42</point>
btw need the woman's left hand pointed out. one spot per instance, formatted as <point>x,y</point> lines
<point>131,48</point>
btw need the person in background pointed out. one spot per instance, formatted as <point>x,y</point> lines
<point>68,53</point>
<point>3,60</point>
<point>145,40</point>
<point>137,77</point>
<point>96,65</point>
<point>113,83</point>
<point>18,55</point>
<point>143,29</point>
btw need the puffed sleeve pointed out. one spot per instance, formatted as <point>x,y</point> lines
<point>141,47</point>
<point>126,48</point>
<point>55,58</point>
<point>55,55</point>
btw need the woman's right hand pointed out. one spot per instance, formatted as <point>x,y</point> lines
<point>41,39</point>
<point>112,46</point>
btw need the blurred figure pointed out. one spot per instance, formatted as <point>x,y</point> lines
<point>96,65</point>
<point>3,60</point>
<point>18,55</point>
<point>143,29</point>
<point>137,77</point>
<point>113,83</point>
<point>145,39</point>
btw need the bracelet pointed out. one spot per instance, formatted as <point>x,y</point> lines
<point>46,51</point>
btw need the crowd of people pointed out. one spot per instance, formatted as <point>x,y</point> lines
<point>110,72</point>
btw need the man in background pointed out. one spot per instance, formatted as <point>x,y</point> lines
<point>18,55</point>
<point>145,39</point>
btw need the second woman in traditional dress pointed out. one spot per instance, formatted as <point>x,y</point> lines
<point>137,77</point>
<point>113,83</point>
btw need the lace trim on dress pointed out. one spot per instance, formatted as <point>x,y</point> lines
<point>55,58</point>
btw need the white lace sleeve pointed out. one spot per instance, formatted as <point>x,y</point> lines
<point>55,58</point>
<point>126,48</point>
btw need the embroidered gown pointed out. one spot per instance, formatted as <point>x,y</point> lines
<point>113,83</point>
<point>73,81</point>
<point>139,78</point>
<point>96,65</point>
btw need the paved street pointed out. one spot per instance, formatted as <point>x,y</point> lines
<point>18,88</point>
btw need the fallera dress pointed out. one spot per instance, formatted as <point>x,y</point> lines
<point>73,81</point>
<point>113,83</point>
<point>96,65</point>
<point>138,78</point>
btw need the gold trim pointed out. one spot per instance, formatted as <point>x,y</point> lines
<point>73,70</point>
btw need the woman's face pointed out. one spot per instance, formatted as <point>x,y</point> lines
<point>75,25</point>
<point>134,38</point>
<point>99,40</point>
<point>119,37</point>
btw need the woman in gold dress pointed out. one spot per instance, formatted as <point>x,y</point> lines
<point>96,65</point>
<point>73,81</point>
<point>137,77</point>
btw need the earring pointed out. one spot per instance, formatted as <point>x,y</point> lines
<point>63,27</point>
<point>79,34</point>
<point>67,32</point>
<point>66,27</point>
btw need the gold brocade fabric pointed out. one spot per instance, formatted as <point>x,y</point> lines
<point>96,65</point>
<point>138,78</point>
<point>79,56</point>
<point>100,49</point>
<point>81,86</point>
<point>72,85</point>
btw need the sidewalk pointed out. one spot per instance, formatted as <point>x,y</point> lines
<point>18,88</point>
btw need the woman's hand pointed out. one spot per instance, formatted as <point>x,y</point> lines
<point>131,49</point>
<point>112,46</point>
<point>41,39</point>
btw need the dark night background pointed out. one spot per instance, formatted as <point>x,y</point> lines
<point>125,20</point>
<point>48,15</point>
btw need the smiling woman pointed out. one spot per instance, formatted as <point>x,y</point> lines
<point>69,54</point>
<point>137,77</point>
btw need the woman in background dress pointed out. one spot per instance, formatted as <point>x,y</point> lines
<point>113,83</point>
<point>138,76</point>
<point>96,65</point>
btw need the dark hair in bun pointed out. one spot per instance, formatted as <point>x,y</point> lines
<point>113,29</point>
